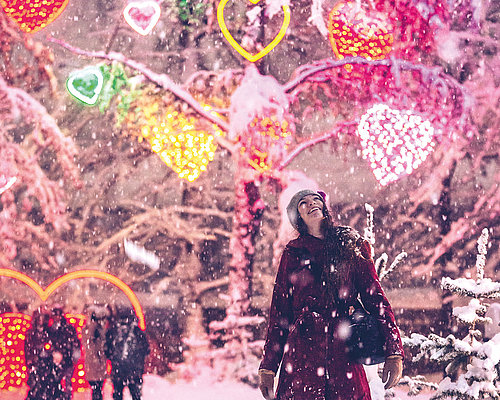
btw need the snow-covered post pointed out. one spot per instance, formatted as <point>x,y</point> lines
<point>236,359</point>
<point>472,367</point>
<point>248,211</point>
<point>259,126</point>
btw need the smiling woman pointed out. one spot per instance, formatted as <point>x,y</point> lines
<point>320,277</point>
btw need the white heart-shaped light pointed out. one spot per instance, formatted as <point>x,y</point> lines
<point>395,142</point>
<point>149,11</point>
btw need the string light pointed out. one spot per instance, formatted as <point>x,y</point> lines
<point>13,370</point>
<point>237,46</point>
<point>355,33</point>
<point>266,142</point>
<point>394,142</point>
<point>78,381</point>
<point>14,326</point>
<point>32,16</point>
<point>86,84</point>
<point>179,143</point>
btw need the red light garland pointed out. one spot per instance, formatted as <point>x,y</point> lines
<point>395,142</point>
<point>78,381</point>
<point>34,15</point>
<point>13,371</point>
<point>355,33</point>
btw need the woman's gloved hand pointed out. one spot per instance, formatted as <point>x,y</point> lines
<point>266,383</point>
<point>393,370</point>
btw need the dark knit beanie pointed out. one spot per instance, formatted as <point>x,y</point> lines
<point>292,208</point>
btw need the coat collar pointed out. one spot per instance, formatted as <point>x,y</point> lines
<point>347,236</point>
<point>308,242</point>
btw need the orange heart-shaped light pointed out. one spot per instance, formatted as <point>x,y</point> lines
<point>86,273</point>
<point>266,142</point>
<point>33,15</point>
<point>355,32</point>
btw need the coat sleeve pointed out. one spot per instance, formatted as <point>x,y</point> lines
<point>280,316</point>
<point>374,299</point>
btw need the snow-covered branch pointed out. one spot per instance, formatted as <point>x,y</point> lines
<point>416,384</point>
<point>465,226</point>
<point>312,142</point>
<point>432,75</point>
<point>485,288</point>
<point>386,271</point>
<point>162,80</point>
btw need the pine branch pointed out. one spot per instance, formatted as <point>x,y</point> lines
<point>483,289</point>
<point>417,384</point>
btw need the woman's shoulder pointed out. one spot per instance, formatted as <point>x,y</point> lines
<point>351,239</point>
<point>298,246</point>
<point>346,232</point>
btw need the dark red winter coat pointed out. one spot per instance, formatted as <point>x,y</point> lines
<point>306,334</point>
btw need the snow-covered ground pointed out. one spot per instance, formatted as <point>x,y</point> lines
<point>156,387</point>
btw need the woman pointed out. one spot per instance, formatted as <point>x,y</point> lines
<point>94,340</point>
<point>321,274</point>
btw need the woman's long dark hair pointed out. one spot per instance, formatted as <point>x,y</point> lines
<point>339,252</point>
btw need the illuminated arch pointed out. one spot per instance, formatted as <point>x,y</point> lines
<point>85,273</point>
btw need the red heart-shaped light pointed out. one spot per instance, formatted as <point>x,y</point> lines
<point>33,15</point>
<point>355,32</point>
<point>395,142</point>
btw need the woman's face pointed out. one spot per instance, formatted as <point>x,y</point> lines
<point>310,209</point>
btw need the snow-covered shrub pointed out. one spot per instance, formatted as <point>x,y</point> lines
<point>472,366</point>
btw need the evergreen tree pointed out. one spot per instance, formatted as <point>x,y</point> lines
<point>472,366</point>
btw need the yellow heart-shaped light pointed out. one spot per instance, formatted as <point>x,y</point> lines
<point>236,45</point>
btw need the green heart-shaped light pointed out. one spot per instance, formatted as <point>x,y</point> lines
<point>86,84</point>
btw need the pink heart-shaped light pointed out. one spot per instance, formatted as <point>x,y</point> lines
<point>394,142</point>
<point>142,16</point>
